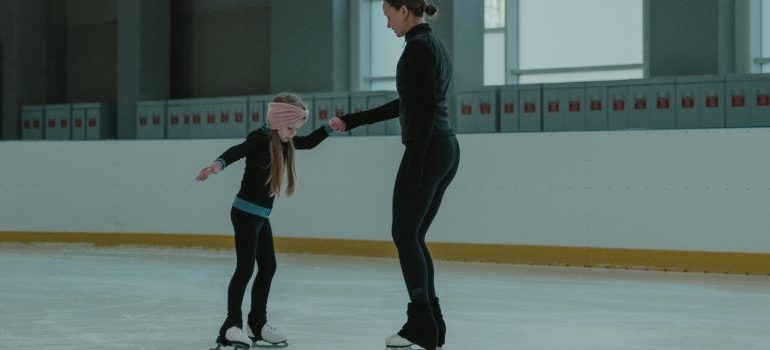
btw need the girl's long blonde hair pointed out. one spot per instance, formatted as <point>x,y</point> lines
<point>277,161</point>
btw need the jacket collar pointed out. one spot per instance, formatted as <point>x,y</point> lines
<point>418,29</point>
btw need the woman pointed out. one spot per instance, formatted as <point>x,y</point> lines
<point>427,167</point>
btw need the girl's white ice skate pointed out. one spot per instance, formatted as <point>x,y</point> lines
<point>234,339</point>
<point>268,334</point>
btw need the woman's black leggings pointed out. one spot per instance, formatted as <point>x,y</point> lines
<point>253,242</point>
<point>414,210</point>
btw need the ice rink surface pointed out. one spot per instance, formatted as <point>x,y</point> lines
<point>81,297</point>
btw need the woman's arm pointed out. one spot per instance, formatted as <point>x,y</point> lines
<point>385,112</point>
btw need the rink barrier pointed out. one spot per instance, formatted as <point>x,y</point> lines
<point>590,257</point>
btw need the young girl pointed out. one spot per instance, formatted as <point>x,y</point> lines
<point>269,152</point>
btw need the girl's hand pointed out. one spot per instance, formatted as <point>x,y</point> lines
<point>214,168</point>
<point>337,124</point>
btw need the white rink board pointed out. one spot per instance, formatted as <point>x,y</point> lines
<point>700,190</point>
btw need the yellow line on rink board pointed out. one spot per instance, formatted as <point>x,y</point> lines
<point>637,259</point>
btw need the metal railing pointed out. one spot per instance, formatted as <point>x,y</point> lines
<point>576,69</point>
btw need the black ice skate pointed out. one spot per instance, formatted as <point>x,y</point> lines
<point>420,329</point>
<point>434,305</point>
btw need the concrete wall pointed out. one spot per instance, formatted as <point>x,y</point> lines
<point>143,58</point>
<point>309,45</point>
<point>222,51</point>
<point>56,51</point>
<point>704,190</point>
<point>748,36</point>
<point>91,51</point>
<point>23,42</point>
<point>460,26</point>
<point>691,37</point>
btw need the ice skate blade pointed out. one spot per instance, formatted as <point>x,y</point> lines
<point>404,347</point>
<point>234,346</point>
<point>268,345</point>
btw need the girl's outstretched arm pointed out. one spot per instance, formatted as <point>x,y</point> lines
<point>230,156</point>
<point>312,139</point>
<point>214,168</point>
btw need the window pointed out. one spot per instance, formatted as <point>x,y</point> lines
<point>764,61</point>
<point>564,40</point>
<point>494,42</point>
<point>529,41</point>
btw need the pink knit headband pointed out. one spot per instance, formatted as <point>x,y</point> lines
<point>283,115</point>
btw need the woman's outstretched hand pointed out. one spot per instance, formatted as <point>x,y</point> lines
<point>214,168</point>
<point>337,124</point>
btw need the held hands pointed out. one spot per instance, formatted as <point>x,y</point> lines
<point>337,124</point>
<point>214,168</point>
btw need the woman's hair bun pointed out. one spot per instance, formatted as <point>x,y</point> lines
<point>430,9</point>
